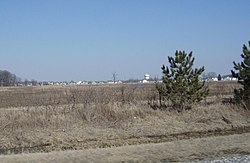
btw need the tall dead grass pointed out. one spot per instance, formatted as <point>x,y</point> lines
<point>115,114</point>
<point>62,117</point>
<point>24,128</point>
<point>67,114</point>
<point>61,107</point>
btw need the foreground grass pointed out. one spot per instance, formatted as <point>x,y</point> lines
<point>179,150</point>
<point>43,130</point>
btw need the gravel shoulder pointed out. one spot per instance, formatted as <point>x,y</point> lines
<point>228,159</point>
<point>188,150</point>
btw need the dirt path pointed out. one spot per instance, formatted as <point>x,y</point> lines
<point>178,150</point>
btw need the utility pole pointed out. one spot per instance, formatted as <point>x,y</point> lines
<point>114,77</point>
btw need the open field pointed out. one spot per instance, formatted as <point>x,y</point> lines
<point>49,95</point>
<point>45,119</point>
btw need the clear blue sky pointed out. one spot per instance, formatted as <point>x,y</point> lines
<point>89,40</point>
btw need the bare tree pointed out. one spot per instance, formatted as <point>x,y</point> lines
<point>211,75</point>
<point>33,82</point>
<point>26,82</point>
<point>7,78</point>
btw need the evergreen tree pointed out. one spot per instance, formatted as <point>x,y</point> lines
<point>242,95</point>
<point>181,83</point>
<point>219,77</point>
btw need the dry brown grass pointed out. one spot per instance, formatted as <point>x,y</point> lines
<point>23,129</point>
<point>59,118</point>
<point>175,151</point>
<point>54,95</point>
<point>126,93</point>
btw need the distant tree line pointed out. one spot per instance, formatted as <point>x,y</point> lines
<point>209,75</point>
<point>8,79</point>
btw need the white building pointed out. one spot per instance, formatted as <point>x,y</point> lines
<point>215,79</point>
<point>230,79</point>
<point>146,77</point>
<point>79,82</point>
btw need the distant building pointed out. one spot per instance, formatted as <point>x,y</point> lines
<point>79,82</point>
<point>146,77</point>
<point>229,78</point>
<point>72,83</point>
<point>215,79</point>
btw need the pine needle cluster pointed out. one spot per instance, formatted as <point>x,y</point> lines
<point>242,73</point>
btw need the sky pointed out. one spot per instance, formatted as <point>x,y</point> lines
<point>63,40</point>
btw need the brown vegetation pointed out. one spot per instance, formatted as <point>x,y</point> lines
<point>127,93</point>
<point>78,117</point>
<point>174,151</point>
